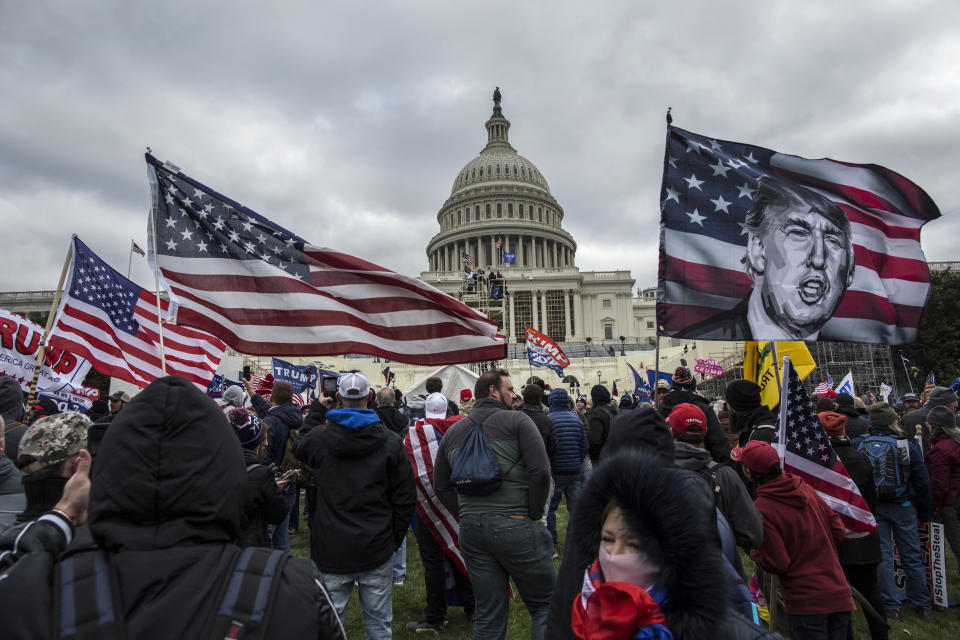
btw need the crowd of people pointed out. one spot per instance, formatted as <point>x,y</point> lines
<point>171,513</point>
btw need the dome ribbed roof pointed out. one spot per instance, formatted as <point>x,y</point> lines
<point>499,162</point>
<point>499,165</point>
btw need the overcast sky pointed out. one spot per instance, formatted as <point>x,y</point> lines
<point>347,122</point>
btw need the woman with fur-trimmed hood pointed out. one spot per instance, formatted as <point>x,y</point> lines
<point>648,559</point>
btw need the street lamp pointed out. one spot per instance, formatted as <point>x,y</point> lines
<point>598,376</point>
<point>622,339</point>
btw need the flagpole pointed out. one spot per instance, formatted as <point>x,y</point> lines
<point>656,373</point>
<point>156,260</point>
<point>130,260</point>
<point>41,352</point>
<point>906,372</point>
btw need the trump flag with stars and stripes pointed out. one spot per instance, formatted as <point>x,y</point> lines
<point>112,322</point>
<point>267,291</point>
<point>809,455</point>
<point>873,291</point>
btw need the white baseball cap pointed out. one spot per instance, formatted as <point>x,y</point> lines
<point>435,406</point>
<point>353,386</point>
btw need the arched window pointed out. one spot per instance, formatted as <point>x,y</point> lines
<point>476,212</point>
<point>520,210</point>
<point>499,210</point>
<point>488,212</point>
<point>540,214</point>
<point>498,169</point>
<point>459,217</point>
<point>481,172</point>
<point>509,209</point>
<point>473,173</point>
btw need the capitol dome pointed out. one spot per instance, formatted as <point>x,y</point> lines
<point>500,195</point>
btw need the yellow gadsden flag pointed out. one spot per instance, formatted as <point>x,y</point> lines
<point>758,366</point>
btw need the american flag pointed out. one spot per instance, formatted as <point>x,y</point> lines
<point>498,242</point>
<point>809,456</point>
<point>468,260</point>
<point>421,443</point>
<point>266,291</point>
<point>823,387</point>
<point>137,250</point>
<point>930,382</point>
<point>112,322</point>
<point>708,187</point>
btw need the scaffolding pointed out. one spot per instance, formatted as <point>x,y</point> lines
<point>870,364</point>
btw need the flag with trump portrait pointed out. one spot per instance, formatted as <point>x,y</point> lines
<point>760,245</point>
<point>267,291</point>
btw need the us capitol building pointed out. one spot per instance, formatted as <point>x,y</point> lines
<point>502,196</point>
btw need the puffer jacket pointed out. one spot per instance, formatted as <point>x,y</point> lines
<point>165,505</point>
<point>943,463</point>
<point>571,436</point>
<point>280,420</point>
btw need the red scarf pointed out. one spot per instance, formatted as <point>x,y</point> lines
<point>615,610</point>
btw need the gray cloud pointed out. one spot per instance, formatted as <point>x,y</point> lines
<point>347,122</point>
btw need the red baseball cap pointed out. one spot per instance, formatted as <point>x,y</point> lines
<point>758,456</point>
<point>688,419</point>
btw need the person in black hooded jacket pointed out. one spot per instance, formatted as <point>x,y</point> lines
<point>672,534</point>
<point>857,425</point>
<point>754,421</point>
<point>598,422</point>
<point>165,507</point>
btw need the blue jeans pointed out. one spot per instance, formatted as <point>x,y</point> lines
<point>399,562</point>
<point>495,548</point>
<point>900,521</point>
<point>280,538</point>
<point>832,626</point>
<point>563,483</point>
<point>375,588</point>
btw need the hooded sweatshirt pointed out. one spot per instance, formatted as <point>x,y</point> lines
<point>165,503</point>
<point>799,534</point>
<point>365,490</point>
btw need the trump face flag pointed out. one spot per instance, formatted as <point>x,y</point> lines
<point>808,454</point>
<point>760,245</point>
<point>267,291</point>
<point>112,322</point>
<point>542,351</point>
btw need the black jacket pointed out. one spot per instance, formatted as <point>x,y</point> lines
<point>857,425</point>
<point>365,490</point>
<point>598,430</point>
<point>864,550</point>
<point>670,512</point>
<point>166,504</point>
<point>394,419</point>
<point>263,503</point>
<point>747,423</point>
<point>548,430</point>
<point>716,441</point>
<point>280,420</point>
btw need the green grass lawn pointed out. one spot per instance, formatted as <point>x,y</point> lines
<point>410,599</point>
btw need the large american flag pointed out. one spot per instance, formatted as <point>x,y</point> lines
<point>112,322</point>
<point>421,443</point>
<point>266,291</point>
<point>708,186</point>
<point>809,455</point>
<point>468,260</point>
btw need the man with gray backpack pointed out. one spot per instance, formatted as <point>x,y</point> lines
<point>492,469</point>
<point>903,500</point>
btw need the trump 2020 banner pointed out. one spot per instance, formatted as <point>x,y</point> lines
<point>300,378</point>
<point>19,344</point>
<point>542,351</point>
<point>760,245</point>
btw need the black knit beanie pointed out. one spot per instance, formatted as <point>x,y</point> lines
<point>743,395</point>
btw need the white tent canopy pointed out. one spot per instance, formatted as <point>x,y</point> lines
<point>455,378</point>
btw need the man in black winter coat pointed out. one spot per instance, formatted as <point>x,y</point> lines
<point>857,425</point>
<point>598,422</point>
<point>532,396</point>
<point>684,390</point>
<point>365,500</point>
<point>754,421</point>
<point>390,416</point>
<point>165,508</point>
<point>939,397</point>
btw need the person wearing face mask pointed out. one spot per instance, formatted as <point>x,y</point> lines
<point>657,571</point>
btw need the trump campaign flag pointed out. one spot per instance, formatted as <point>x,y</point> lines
<point>300,377</point>
<point>113,323</point>
<point>267,291</point>
<point>806,452</point>
<point>760,245</point>
<point>542,351</point>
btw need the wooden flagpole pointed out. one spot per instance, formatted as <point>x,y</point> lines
<point>41,352</point>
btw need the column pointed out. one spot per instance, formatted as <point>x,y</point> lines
<point>512,334</point>
<point>493,253</point>
<point>566,313</point>
<point>535,307</point>
<point>543,312</point>
<point>523,252</point>
<point>578,315</point>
